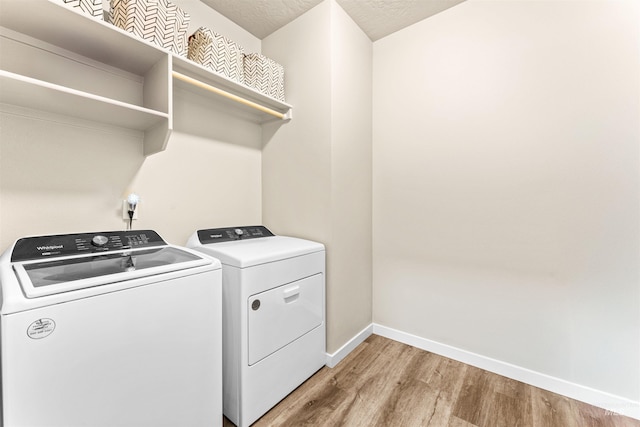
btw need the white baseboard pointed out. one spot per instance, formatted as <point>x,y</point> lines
<point>610,402</point>
<point>335,358</point>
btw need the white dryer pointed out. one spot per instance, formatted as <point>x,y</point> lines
<point>273,309</point>
<point>109,329</point>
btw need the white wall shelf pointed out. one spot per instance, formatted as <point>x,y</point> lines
<point>31,93</point>
<point>73,31</point>
<point>200,74</point>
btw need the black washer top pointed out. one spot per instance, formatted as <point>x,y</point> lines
<point>228,234</point>
<point>43,247</point>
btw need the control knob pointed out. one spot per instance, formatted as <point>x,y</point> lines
<point>238,232</point>
<point>99,240</point>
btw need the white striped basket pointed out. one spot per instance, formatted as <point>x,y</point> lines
<point>158,21</point>
<point>90,7</point>
<point>265,75</point>
<point>217,53</point>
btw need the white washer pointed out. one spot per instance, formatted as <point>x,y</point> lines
<point>273,291</point>
<point>109,329</point>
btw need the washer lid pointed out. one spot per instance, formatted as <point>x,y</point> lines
<point>57,275</point>
<point>49,265</point>
<point>250,252</point>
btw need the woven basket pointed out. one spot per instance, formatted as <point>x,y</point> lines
<point>158,21</point>
<point>217,53</point>
<point>265,75</point>
<point>90,7</point>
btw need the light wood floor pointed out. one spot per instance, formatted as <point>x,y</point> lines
<point>386,383</point>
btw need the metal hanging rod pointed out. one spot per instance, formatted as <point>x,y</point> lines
<point>228,95</point>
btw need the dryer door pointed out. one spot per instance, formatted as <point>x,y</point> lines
<point>281,315</point>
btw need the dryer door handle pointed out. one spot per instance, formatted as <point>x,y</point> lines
<point>291,294</point>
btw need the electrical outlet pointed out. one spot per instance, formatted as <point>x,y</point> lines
<point>125,210</point>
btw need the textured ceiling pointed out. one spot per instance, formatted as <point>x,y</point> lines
<point>377,18</point>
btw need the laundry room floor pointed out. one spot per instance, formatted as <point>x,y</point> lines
<point>387,383</point>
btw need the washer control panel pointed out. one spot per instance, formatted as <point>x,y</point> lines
<point>228,234</point>
<point>39,247</point>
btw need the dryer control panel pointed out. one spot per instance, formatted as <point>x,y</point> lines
<point>228,234</point>
<point>30,248</point>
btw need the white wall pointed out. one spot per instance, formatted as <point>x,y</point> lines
<point>350,303</point>
<point>317,168</point>
<point>296,156</point>
<point>506,186</point>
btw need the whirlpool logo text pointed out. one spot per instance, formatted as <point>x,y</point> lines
<point>50,247</point>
